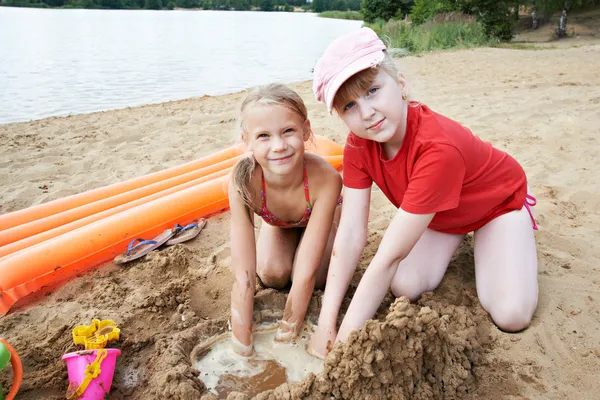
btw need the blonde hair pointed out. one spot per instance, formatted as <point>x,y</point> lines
<point>274,94</point>
<point>360,82</point>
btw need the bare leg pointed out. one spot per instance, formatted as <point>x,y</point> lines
<point>506,270</point>
<point>321,275</point>
<point>426,264</point>
<point>275,250</point>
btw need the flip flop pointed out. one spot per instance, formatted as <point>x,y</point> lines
<point>139,247</point>
<point>185,233</point>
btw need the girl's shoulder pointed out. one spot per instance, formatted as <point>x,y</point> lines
<point>321,175</point>
<point>316,164</point>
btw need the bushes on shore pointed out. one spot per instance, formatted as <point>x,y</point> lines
<point>352,15</point>
<point>445,31</point>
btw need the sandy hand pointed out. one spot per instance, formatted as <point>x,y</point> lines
<point>321,342</point>
<point>285,332</point>
<point>240,348</point>
<point>310,350</point>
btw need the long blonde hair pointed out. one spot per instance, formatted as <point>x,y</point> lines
<point>275,94</point>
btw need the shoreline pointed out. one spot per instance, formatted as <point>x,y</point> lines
<point>166,102</point>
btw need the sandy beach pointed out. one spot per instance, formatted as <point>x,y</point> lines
<point>543,107</point>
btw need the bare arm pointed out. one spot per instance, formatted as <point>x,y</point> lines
<point>349,243</point>
<point>309,256</point>
<point>399,239</point>
<point>243,260</point>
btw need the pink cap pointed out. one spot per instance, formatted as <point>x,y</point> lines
<point>344,57</point>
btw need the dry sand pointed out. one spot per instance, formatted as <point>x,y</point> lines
<point>541,106</point>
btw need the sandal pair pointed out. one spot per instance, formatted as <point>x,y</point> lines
<point>178,234</point>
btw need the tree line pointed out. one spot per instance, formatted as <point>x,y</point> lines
<point>239,5</point>
<point>497,16</point>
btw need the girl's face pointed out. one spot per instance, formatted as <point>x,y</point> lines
<point>276,136</point>
<point>377,114</point>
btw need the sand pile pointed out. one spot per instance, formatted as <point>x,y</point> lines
<point>417,352</point>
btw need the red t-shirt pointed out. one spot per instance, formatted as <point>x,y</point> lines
<point>440,168</point>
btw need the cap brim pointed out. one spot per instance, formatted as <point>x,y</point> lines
<point>368,61</point>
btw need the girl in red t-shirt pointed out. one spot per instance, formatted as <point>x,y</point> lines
<point>297,195</point>
<point>445,182</point>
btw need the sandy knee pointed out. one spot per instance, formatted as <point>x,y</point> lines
<point>407,288</point>
<point>412,284</point>
<point>274,276</point>
<point>512,316</point>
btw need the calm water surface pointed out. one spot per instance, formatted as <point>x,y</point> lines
<point>61,62</point>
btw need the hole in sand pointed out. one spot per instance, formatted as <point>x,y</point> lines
<point>223,371</point>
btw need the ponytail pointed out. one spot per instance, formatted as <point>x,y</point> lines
<point>242,179</point>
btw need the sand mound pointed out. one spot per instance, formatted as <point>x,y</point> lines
<point>417,352</point>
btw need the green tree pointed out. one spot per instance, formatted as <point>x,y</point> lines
<point>55,3</point>
<point>240,5</point>
<point>423,10</point>
<point>549,7</point>
<point>266,5</point>
<point>496,16</point>
<point>129,4</point>
<point>153,5</point>
<point>383,9</point>
<point>170,5</point>
<point>82,3</point>
<point>321,5</point>
<point>114,4</point>
<point>340,5</point>
<point>354,5</point>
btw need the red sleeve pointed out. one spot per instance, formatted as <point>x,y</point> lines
<point>355,174</point>
<point>436,181</point>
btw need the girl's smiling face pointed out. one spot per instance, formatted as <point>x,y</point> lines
<point>276,135</point>
<point>378,114</point>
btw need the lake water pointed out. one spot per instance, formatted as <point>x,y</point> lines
<point>61,62</point>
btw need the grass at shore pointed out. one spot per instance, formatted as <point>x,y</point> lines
<point>438,34</point>
<point>353,15</point>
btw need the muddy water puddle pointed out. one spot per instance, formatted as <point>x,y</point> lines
<point>223,371</point>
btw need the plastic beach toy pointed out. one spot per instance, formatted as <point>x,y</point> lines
<point>96,335</point>
<point>90,373</point>
<point>9,355</point>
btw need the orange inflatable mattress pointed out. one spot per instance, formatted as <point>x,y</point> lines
<point>62,238</point>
